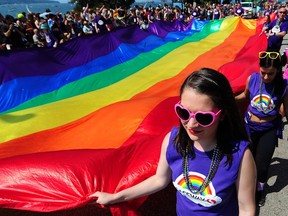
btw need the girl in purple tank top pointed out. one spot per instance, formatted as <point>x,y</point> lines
<point>207,157</point>
<point>266,91</point>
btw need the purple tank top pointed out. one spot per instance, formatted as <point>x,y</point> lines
<point>261,103</point>
<point>219,197</point>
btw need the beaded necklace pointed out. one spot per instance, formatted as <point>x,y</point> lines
<point>216,158</point>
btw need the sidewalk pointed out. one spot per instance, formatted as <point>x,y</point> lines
<point>277,188</point>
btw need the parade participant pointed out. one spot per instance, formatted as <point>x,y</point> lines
<point>87,28</point>
<point>266,91</point>
<point>285,63</point>
<point>210,145</point>
<point>13,37</point>
<point>2,37</point>
<point>277,30</point>
<point>209,13</point>
<point>267,10</point>
<point>267,21</point>
<point>38,39</point>
<point>51,40</point>
<point>239,11</point>
<point>217,13</point>
<point>195,13</point>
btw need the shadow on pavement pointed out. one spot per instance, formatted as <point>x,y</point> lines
<point>278,169</point>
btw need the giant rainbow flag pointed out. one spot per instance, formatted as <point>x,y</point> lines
<point>91,114</point>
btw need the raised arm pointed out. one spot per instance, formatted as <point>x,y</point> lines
<point>149,186</point>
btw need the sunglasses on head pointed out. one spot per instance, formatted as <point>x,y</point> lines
<point>271,55</point>
<point>205,119</point>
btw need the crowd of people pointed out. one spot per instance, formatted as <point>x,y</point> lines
<point>49,29</point>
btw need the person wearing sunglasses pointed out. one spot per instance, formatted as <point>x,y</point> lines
<point>266,91</point>
<point>207,156</point>
<point>277,29</point>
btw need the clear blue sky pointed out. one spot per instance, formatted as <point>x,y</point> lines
<point>63,1</point>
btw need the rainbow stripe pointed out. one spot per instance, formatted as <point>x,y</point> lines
<point>197,181</point>
<point>265,99</point>
<point>105,102</point>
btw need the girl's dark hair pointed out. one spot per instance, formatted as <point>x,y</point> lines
<point>268,19</point>
<point>266,62</point>
<point>215,85</point>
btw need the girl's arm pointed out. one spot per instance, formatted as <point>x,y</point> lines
<point>151,185</point>
<point>285,104</point>
<point>246,185</point>
<point>245,94</point>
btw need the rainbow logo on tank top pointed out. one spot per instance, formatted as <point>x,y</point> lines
<point>206,198</point>
<point>264,104</point>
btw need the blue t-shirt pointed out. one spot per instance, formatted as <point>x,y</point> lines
<point>219,197</point>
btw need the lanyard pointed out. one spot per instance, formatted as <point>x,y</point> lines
<point>260,92</point>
